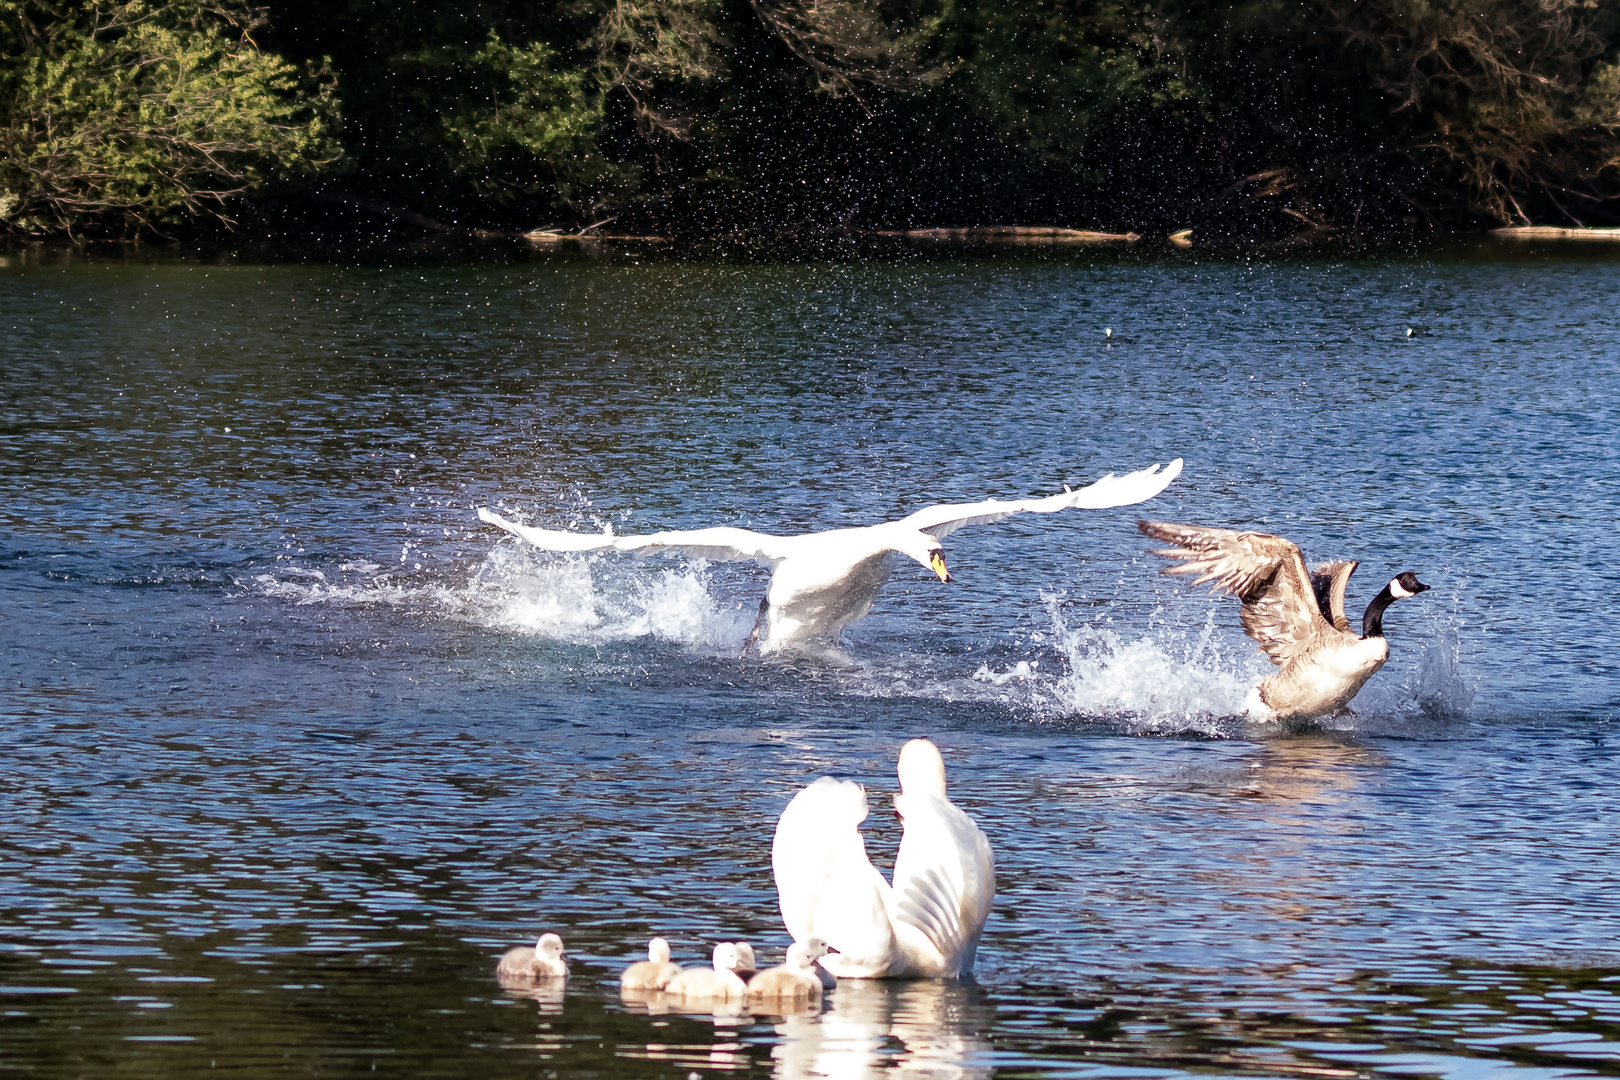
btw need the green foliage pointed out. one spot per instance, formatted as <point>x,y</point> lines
<point>1050,74</point>
<point>509,120</point>
<point>1516,99</point>
<point>714,115</point>
<point>129,115</point>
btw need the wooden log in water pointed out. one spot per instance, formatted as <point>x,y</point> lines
<point>552,236</point>
<point>1552,232</point>
<point>1019,234</point>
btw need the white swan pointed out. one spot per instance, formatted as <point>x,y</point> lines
<point>821,582</point>
<point>928,923</point>
<point>653,973</point>
<point>719,982</point>
<point>525,964</point>
<point>796,979</point>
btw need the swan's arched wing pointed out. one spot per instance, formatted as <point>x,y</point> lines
<point>1266,572</point>
<point>826,885</point>
<point>1330,580</point>
<point>944,882</point>
<point>723,544</point>
<point>819,824</point>
<point>942,520</point>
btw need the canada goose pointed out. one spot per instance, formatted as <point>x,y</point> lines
<point>1295,615</point>
<point>796,979</point>
<point>719,982</point>
<point>929,921</point>
<point>524,964</point>
<point>1109,338</point>
<point>821,582</point>
<point>652,973</point>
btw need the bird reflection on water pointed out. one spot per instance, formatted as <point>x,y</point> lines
<point>548,994</point>
<point>876,1028</point>
<point>866,1028</point>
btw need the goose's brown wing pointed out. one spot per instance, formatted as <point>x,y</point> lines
<point>1329,582</point>
<point>1266,572</point>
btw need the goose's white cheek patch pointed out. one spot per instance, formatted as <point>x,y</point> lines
<point>1399,591</point>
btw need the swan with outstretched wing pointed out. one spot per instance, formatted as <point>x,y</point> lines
<point>821,582</point>
<point>929,921</point>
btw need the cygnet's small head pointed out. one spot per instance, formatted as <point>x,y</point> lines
<point>815,948</point>
<point>798,957</point>
<point>549,947</point>
<point>1406,584</point>
<point>725,956</point>
<point>921,769</point>
<point>658,951</point>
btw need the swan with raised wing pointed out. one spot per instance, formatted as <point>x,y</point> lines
<point>823,581</point>
<point>928,922</point>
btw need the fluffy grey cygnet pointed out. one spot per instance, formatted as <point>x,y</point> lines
<point>798,979</point>
<point>525,964</point>
<point>653,973</point>
<point>719,982</point>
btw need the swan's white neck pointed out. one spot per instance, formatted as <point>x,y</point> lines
<point>921,769</point>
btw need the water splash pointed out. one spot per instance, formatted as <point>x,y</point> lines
<point>578,599</point>
<point>1169,682</point>
<point>1443,691</point>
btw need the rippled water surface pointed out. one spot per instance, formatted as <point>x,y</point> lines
<point>294,746</point>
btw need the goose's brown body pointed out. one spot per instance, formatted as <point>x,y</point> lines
<point>1296,615</point>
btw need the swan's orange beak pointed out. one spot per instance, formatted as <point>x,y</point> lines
<point>936,562</point>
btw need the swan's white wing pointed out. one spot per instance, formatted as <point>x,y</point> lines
<point>723,544</point>
<point>826,885</point>
<point>1266,572</point>
<point>550,539</point>
<point>942,520</point>
<point>944,882</point>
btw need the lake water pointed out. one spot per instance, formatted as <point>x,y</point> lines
<point>294,746</point>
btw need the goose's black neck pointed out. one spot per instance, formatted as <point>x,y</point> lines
<point>1372,623</point>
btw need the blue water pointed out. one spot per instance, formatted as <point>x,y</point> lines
<point>295,746</point>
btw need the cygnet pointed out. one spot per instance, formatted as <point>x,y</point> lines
<point>544,961</point>
<point>719,982</point>
<point>652,973</point>
<point>746,964</point>
<point>818,949</point>
<point>796,980</point>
